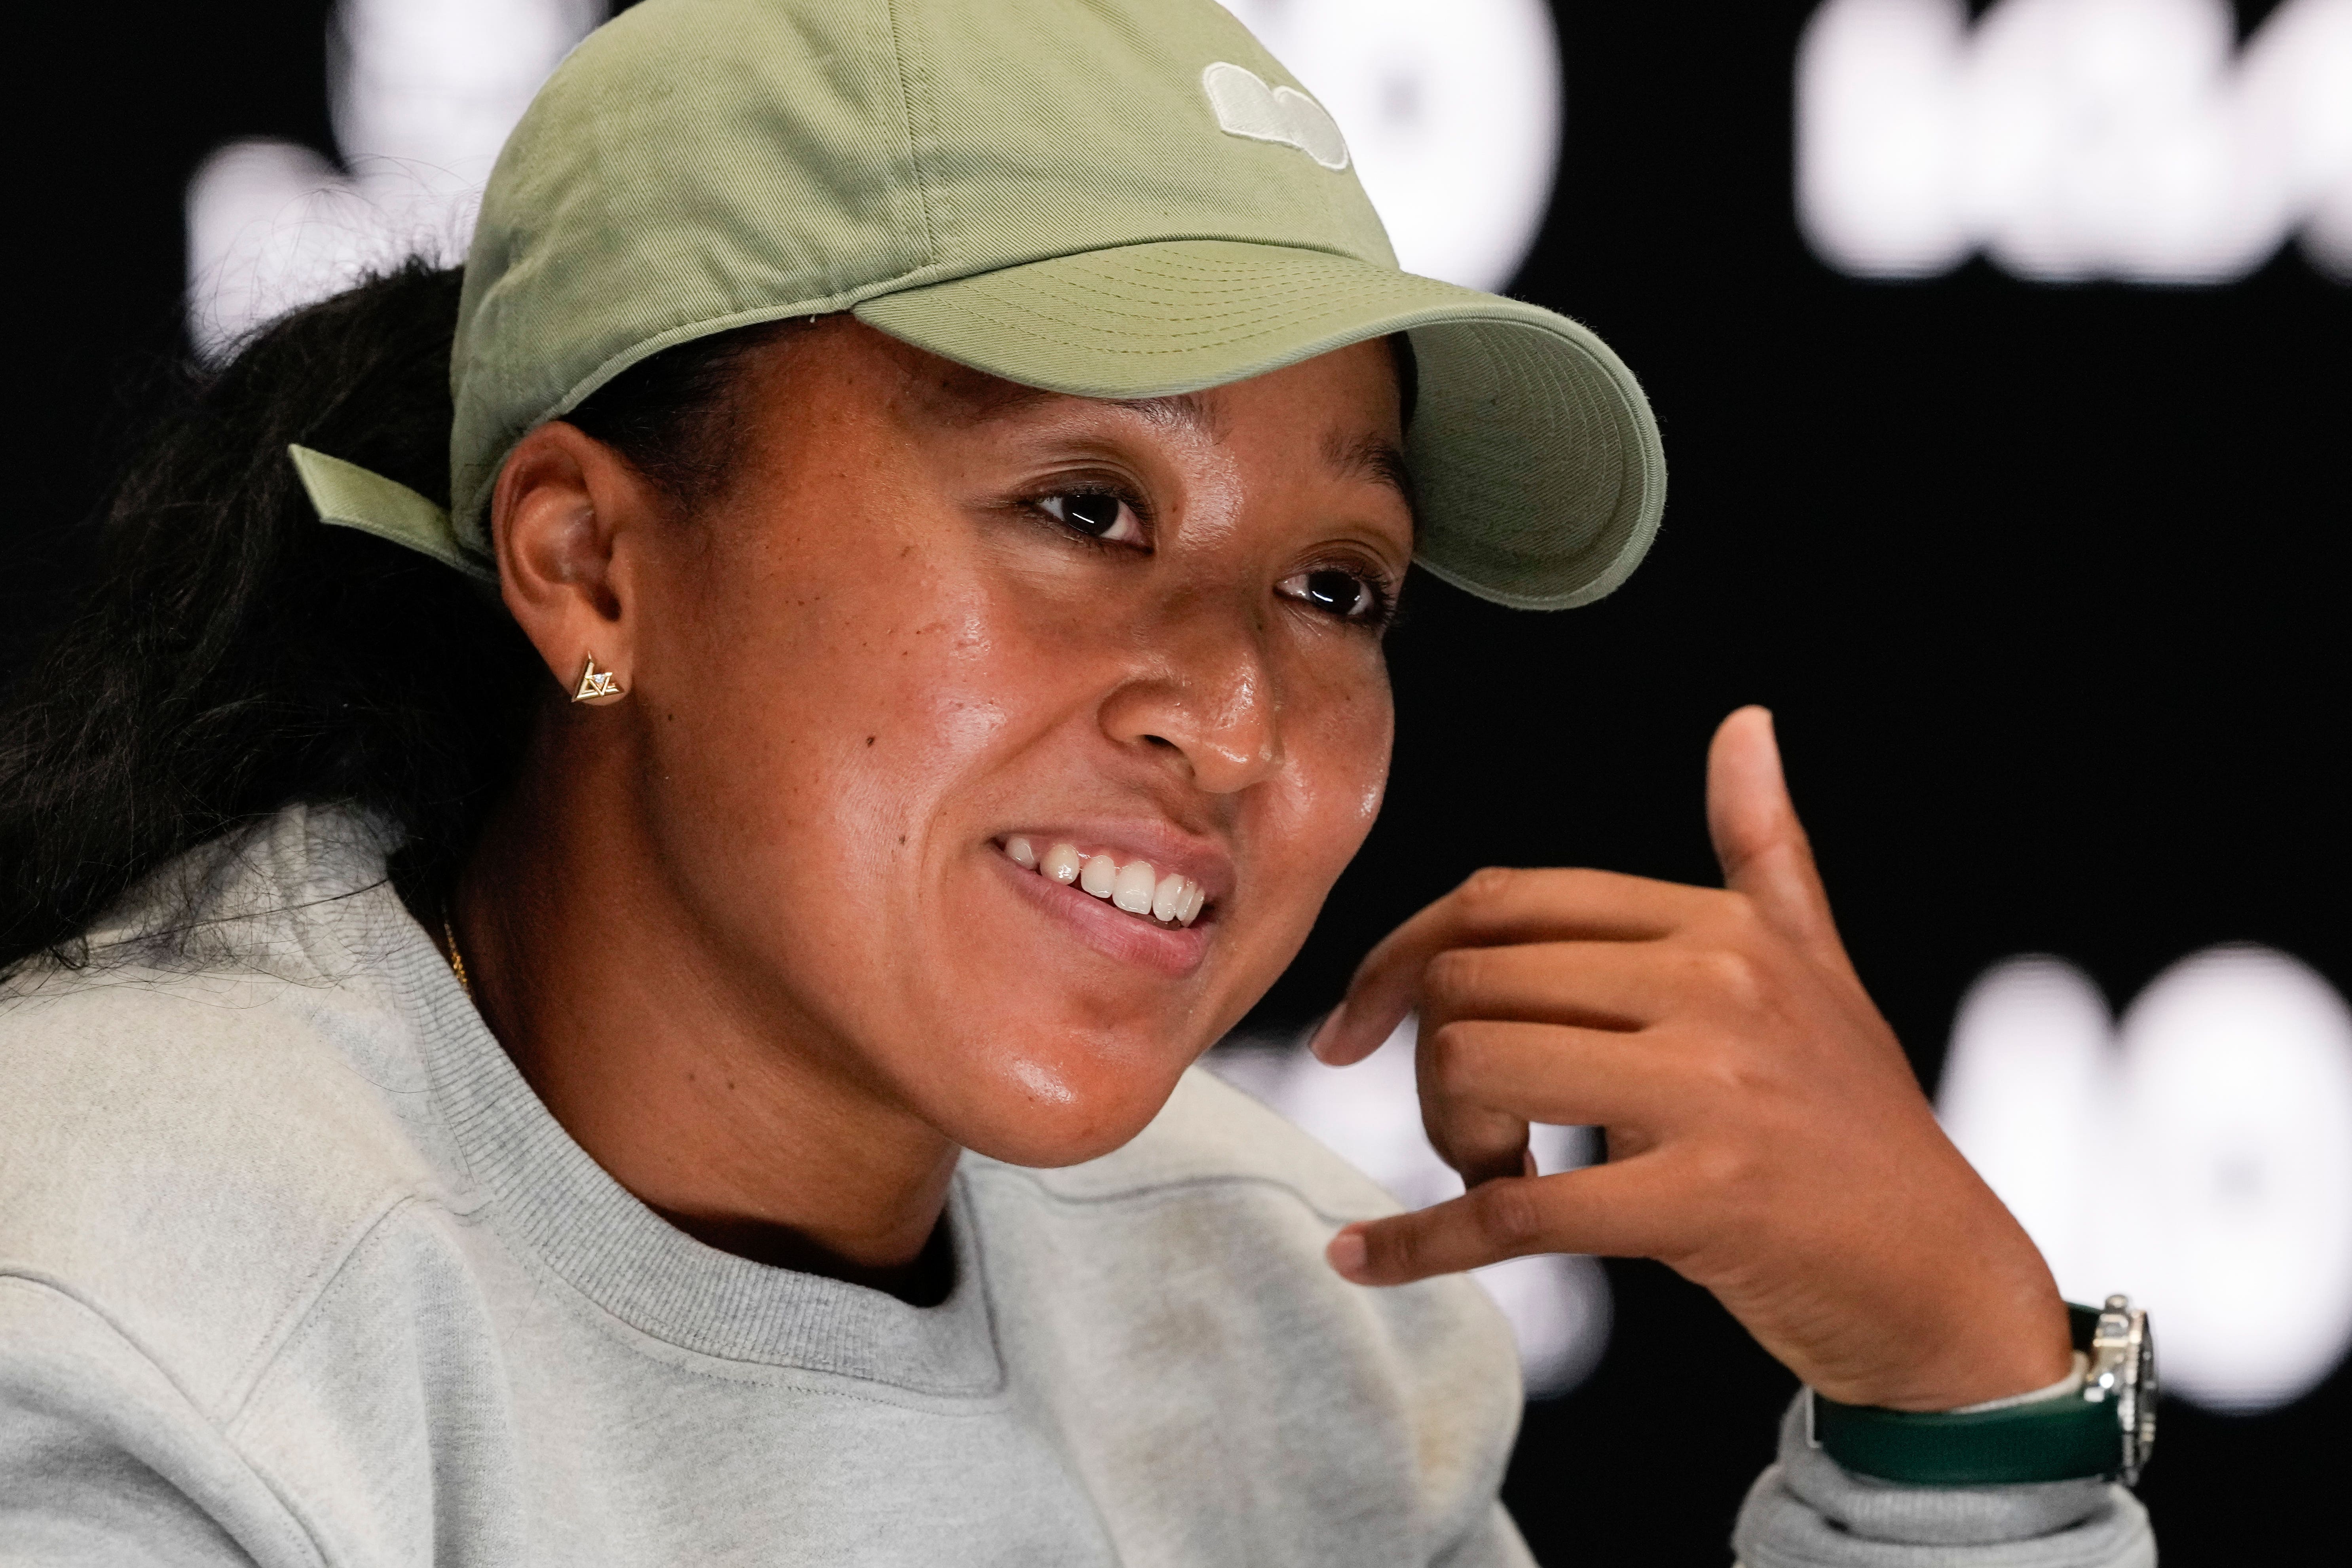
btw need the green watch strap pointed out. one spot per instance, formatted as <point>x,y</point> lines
<point>2052,1439</point>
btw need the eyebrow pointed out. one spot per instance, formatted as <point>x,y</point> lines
<point>1374,459</point>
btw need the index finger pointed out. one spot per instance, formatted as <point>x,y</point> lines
<point>1496,907</point>
<point>1617,1210</point>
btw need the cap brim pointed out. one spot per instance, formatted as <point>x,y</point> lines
<point>1534,454</point>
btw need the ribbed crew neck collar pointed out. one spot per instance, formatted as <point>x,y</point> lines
<point>543,1193</point>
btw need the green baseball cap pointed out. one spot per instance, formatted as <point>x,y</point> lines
<point>1112,198</point>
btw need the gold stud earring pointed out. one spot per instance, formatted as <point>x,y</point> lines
<point>597,685</point>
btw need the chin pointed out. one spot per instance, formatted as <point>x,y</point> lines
<point>1044,1111</point>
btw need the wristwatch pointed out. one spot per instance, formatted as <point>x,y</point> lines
<point>2106,1429</point>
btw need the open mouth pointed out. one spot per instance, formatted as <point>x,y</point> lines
<point>1138,886</point>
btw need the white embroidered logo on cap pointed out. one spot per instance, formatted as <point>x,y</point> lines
<point>1245,106</point>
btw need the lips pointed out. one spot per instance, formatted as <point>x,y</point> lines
<point>1134,889</point>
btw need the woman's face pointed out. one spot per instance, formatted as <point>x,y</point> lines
<point>934,613</point>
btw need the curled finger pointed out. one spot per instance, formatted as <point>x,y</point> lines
<point>1495,908</point>
<point>1600,1210</point>
<point>1559,1074</point>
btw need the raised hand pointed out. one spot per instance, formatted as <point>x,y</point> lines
<point>1767,1137</point>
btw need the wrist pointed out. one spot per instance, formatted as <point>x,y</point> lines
<point>2023,1355</point>
<point>1975,1353</point>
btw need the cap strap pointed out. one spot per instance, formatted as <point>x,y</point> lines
<point>349,496</point>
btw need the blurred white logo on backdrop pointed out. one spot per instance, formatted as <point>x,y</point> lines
<point>1451,108</point>
<point>422,94</point>
<point>2073,139</point>
<point>2197,1154</point>
<point>1369,1115</point>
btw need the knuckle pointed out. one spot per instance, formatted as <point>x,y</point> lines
<point>1452,1060</point>
<point>1724,1168</point>
<point>1399,1248</point>
<point>1734,976</point>
<point>1729,1071</point>
<point>1486,887</point>
<point>1455,973</point>
<point>1507,1214</point>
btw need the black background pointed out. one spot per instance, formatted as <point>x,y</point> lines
<point>2043,585</point>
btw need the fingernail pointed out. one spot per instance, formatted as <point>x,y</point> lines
<point>1326,1033</point>
<point>1348,1253</point>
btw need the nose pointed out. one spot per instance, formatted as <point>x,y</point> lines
<point>1207,699</point>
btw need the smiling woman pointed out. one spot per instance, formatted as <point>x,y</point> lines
<point>927,614</point>
<point>608,911</point>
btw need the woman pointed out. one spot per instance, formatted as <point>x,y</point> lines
<point>644,1013</point>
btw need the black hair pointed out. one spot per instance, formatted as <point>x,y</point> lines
<point>229,655</point>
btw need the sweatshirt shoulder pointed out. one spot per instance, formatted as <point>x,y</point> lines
<point>190,1153</point>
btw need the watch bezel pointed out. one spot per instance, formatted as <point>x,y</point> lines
<point>2122,1370</point>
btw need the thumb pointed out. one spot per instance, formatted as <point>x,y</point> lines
<point>1757,839</point>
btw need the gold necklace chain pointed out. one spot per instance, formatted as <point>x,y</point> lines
<point>456,959</point>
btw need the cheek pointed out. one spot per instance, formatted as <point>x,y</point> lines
<point>1337,749</point>
<point>1347,746</point>
<point>820,705</point>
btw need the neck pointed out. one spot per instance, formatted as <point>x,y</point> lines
<point>725,1110</point>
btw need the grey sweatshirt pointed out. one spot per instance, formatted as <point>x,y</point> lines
<point>295,1269</point>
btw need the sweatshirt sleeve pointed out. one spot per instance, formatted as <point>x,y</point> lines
<point>1807,1511</point>
<point>105,1461</point>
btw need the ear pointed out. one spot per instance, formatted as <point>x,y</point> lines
<point>568,521</point>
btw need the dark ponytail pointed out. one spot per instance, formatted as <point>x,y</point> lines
<point>231,655</point>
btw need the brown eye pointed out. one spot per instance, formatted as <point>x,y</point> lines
<point>1340,593</point>
<point>1336,592</point>
<point>1097,514</point>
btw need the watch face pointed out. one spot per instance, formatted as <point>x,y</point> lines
<point>2144,1417</point>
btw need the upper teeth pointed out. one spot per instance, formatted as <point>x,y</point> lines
<point>1135,886</point>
